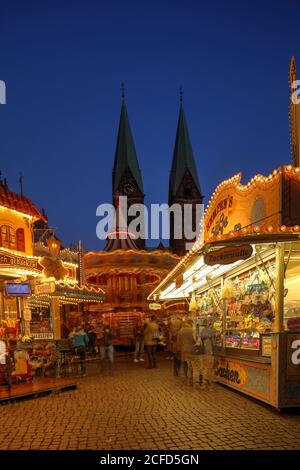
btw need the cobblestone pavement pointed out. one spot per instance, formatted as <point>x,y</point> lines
<point>144,409</point>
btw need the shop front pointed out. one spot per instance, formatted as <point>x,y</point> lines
<point>35,305</point>
<point>37,290</point>
<point>244,277</point>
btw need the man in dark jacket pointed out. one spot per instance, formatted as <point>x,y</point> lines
<point>90,330</point>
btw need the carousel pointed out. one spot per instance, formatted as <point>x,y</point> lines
<point>127,275</point>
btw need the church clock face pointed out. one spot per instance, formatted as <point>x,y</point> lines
<point>128,188</point>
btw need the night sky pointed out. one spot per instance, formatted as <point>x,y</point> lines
<point>63,62</point>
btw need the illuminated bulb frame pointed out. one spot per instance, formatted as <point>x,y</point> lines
<point>267,180</point>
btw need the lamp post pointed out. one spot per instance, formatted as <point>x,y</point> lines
<point>54,245</point>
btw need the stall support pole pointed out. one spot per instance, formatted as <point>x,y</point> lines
<point>279,294</point>
<point>1,306</point>
<point>224,326</point>
<point>55,311</point>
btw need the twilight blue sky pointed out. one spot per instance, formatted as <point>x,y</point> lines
<point>63,62</point>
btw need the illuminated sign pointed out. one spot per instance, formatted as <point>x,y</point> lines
<point>42,335</point>
<point>154,306</point>
<point>19,262</point>
<point>228,255</point>
<point>21,289</point>
<point>231,372</point>
<point>44,288</point>
<point>235,206</point>
<point>221,206</point>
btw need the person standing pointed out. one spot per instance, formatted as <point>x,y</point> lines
<point>106,345</point>
<point>207,359</point>
<point>151,340</point>
<point>175,326</point>
<point>90,330</point>
<point>139,337</point>
<point>185,345</point>
<point>79,341</point>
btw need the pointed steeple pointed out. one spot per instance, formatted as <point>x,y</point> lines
<point>125,155</point>
<point>294,115</point>
<point>183,156</point>
<point>184,186</point>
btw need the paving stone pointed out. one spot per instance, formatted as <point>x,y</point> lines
<point>145,409</point>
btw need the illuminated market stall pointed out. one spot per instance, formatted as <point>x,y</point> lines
<point>245,277</point>
<point>39,285</point>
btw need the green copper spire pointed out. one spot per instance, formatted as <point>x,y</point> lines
<point>183,157</point>
<point>125,156</point>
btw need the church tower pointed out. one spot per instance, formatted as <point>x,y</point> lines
<point>294,115</point>
<point>184,186</point>
<point>126,176</point>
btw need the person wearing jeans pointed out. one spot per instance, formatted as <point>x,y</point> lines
<point>139,344</point>
<point>151,340</point>
<point>107,351</point>
<point>106,346</point>
<point>151,351</point>
<point>79,341</point>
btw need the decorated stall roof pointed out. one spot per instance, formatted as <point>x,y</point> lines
<point>87,293</point>
<point>18,203</point>
<point>264,209</point>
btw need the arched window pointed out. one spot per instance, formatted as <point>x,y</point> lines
<point>8,237</point>
<point>20,239</point>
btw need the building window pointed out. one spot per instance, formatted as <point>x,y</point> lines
<point>20,239</point>
<point>8,237</point>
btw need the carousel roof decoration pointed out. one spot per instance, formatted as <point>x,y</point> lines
<point>129,260</point>
<point>120,239</point>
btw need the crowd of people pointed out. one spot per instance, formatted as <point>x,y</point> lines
<point>99,341</point>
<point>190,345</point>
<point>94,340</point>
<point>191,348</point>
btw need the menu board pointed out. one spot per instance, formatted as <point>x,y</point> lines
<point>266,345</point>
